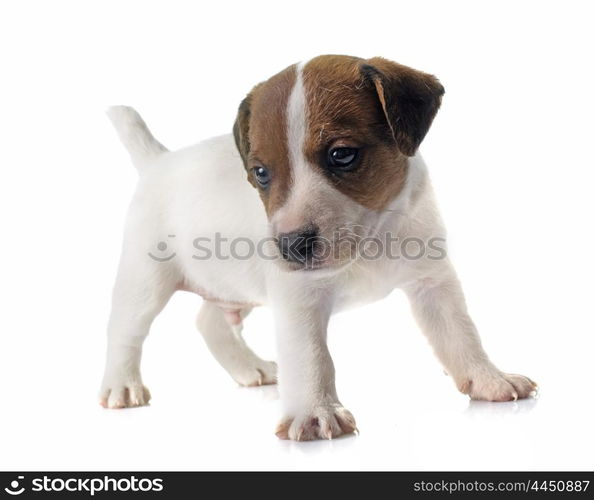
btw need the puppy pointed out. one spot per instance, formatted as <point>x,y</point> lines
<point>329,150</point>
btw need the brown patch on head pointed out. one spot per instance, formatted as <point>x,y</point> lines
<point>382,108</point>
<point>260,132</point>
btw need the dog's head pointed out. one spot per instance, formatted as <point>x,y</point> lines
<point>326,145</point>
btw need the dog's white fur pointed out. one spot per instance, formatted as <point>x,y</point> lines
<point>201,190</point>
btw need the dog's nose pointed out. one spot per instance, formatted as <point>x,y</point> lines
<point>298,246</point>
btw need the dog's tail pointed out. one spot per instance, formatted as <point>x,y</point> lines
<point>134,134</point>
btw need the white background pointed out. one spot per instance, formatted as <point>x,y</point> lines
<point>510,155</point>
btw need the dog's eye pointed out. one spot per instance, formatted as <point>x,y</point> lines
<point>342,159</point>
<point>262,176</point>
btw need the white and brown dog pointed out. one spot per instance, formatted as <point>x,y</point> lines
<point>330,150</point>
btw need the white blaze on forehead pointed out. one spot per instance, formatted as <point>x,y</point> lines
<point>297,121</point>
<point>305,181</point>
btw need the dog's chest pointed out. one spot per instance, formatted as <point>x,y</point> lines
<point>366,282</point>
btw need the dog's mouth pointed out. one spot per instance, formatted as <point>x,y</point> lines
<point>305,266</point>
<point>321,270</point>
<point>314,265</point>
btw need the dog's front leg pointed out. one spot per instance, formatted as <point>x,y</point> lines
<point>440,309</point>
<point>311,406</point>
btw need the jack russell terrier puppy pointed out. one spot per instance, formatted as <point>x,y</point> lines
<point>330,151</point>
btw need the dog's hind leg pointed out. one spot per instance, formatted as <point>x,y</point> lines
<point>221,329</point>
<point>140,293</point>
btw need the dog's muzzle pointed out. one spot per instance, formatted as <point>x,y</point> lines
<point>298,247</point>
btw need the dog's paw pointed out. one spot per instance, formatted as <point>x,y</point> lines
<point>252,375</point>
<point>323,422</point>
<point>124,396</point>
<point>498,386</point>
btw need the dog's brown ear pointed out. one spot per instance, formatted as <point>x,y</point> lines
<point>241,129</point>
<point>410,99</point>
